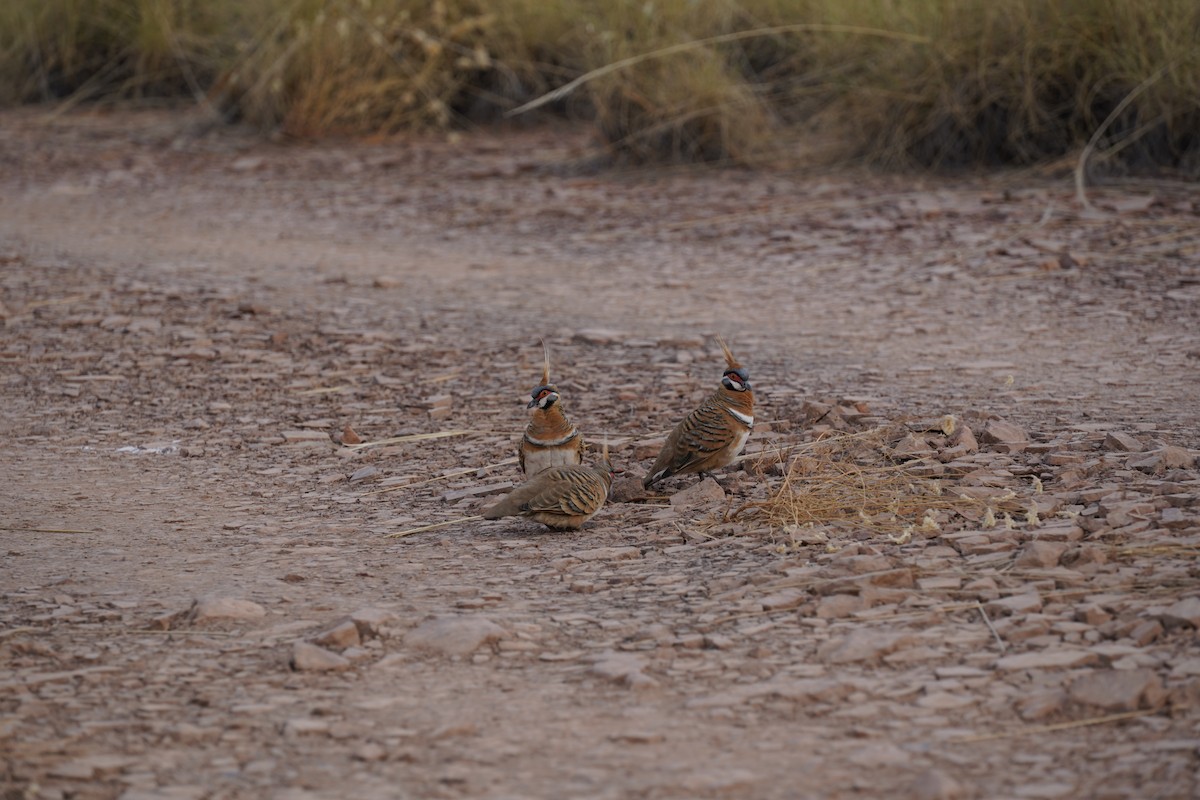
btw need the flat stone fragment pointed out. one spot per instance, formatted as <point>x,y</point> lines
<point>1047,659</point>
<point>627,489</point>
<point>623,668</point>
<point>175,792</point>
<point>1176,457</point>
<point>1175,518</point>
<point>705,493</point>
<point>784,599</point>
<point>934,784</point>
<point>1186,668</point>
<point>1039,554</point>
<point>303,726</point>
<point>878,754</point>
<point>1092,614</point>
<point>945,701</point>
<point>92,767</point>
<point>339,637</point>
<point>454,635</point>
<point>371,620</point>
<point>1146,632</point>
<point>1040,705</point>
<point>939,583</point>
<point>863,645</point>
<point>836,606</point>
<point>1119,689</point>
<point>1029,603</point>
<point>960,671</point>
<point>809,690</point>
<point>1123,442</point>
<point>1046,791</point>
<point>205,609</point>
<point>362,474</point>
<point>308,657</point>
<point>1057,531</point>
<point>306,437</point>
<point>1185,612</point>
<point>800,690</point>
<point>608,554</point>
<point>912,446</point>
<point>1000,432</point>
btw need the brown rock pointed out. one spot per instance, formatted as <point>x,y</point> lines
<point>627,489</point>
<point>1164,458</point>
<point>1062,658</point>
<point>700,495</point>
<point>1053,530</point>
<point>784,599</point>
<point>623,668</point>
<point>863,645</point>
<point>1006,437</point>
<point>836,606</point>
<point>608,554</point>
<point>914,445</point>
<point>962,443</point>
<point>339,637</point>
<point>809,690</point>
<point>1123,442</point>
<point>307,656</point>
<point>1177,457</point>
<point>1092,614</point>
<point>1084,556</point>
<point>206,609</point>
<point>1146,632</point>
<point>1039,554</point>
<point>1175,518</point>
<point>1039,705</point>
<point>92,767</point>
<point>1028,603</point>
<point>307,437</point>
<point>1119,690</point>
<point>983,588</point>
<point>370,621</point>
<point>454,635</point>
<point>933,784</point>
<point>882,595</point>
<point>1184,613</point>
<point>599,336</point>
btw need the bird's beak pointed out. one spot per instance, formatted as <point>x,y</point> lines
<point>532,403</point>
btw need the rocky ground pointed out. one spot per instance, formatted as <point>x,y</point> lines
<point>958,561</point>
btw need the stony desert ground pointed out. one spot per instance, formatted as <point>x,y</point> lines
<point>959,558</point>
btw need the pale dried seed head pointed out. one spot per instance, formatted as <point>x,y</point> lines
<point>989,519</point>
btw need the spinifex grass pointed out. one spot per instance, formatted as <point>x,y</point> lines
<point>929,82</point>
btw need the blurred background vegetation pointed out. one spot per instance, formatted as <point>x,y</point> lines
<point>902,83</point>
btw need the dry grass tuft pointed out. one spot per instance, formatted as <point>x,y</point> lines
<point>849,483</point>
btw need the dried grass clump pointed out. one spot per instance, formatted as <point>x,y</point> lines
<point>848,482</point>
<point>353,67</point>
<point>1022,82</point>
<point>941,83</point>
<point>690,109</point>
<point>103,49</point>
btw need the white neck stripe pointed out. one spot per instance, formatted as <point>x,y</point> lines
<point>551,442</point>
<point>745,419</point>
